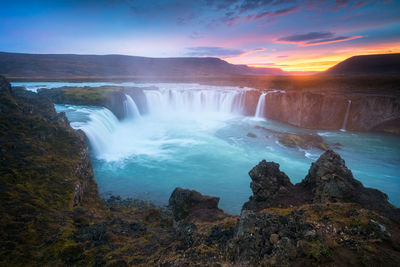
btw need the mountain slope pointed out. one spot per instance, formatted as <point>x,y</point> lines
<point>69,65</point>
<point>381,64</point>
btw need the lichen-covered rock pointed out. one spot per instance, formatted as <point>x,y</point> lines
<point>331,181</point>
<point>45,171</point>
<point>190,204</point>
<point>261,237</point>
<point>304,141</point>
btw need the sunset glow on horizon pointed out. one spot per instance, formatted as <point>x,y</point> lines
<point>288,34</point>
<point>315,62</point>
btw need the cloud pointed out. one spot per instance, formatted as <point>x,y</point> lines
<point>221,52</point>
<point>306,37</point>
<point>315,38</point>
<point>331,40</point>
<point>213,51</point>
<point>342,3</point>
<point>280,12</point>
<point>237,12</point>
<point>232,19</point>
<point>195,35</point>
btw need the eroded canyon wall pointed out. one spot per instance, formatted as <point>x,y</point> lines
<point>316,110</point>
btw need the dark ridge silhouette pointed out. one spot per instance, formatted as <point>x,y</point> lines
<point>382,64</point>
<point>70,65</point>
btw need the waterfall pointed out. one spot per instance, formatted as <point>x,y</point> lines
<point>346,116</point>
<point>171,100</point>
<point>261,106</point>
<point>100,128</point>
<point>130,108</point>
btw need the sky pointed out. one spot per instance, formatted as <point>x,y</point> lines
<point>308,35</point>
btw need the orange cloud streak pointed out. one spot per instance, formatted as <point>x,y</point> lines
<point>310,61</point>
<point>320,42</point>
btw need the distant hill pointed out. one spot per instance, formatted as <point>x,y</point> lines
<point>384,64</point>
<point>70,65</point>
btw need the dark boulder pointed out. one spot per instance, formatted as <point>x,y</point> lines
<point>189,204</point>
<point>331,181</point>
<point>267,183</point>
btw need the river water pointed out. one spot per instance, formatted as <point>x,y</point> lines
<point>195,136</point>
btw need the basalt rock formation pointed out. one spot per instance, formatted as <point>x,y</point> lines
<point>327,181</point>
<point>267,182</point>
<point>316,222</point>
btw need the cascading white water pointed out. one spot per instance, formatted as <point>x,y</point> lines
<point>346,116</point>
<point>261,106</point>
<point>100,128</point>
<point>130,108</point>
<point>175,100</point>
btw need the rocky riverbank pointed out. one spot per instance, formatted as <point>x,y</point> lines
<point>52,215</point>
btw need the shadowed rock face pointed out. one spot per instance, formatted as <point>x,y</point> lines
<point>189,204</point>
<point>4,85</point>
<point>331,181</point>
<point>267,182</point>
<point>316,110</point>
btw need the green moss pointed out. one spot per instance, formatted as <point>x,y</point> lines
<point>317,250</point>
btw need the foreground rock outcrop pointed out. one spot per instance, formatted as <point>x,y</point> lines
<point>45,169</point>
<point>327,181</point>
<point>318,221</point>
